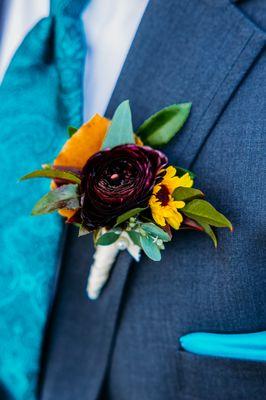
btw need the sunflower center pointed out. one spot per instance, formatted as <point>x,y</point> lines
<point>163,195</point>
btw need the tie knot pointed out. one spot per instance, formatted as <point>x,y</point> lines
<point>71,8</point>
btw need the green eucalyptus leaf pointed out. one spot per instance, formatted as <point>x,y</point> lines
<point>150,248</point>
<point>128,214</point>
<point>71,130</point>
<point>185,194</point>
<point>155,231</point>
<point>182,171</point>
<point>65,196</point>
<point>207,213</point>
<point>52,173</point>
<point>135,237</point>
<point>161,127</point>
<point>107,238</point>
<point>120,130</point>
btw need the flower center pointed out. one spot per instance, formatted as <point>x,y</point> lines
<point>163,195</point>
<point>119,173</point>
<point>114,177</point>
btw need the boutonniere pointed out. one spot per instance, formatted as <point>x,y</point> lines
<point>114,183</point>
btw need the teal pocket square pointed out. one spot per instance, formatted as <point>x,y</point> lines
<point>246,346</point>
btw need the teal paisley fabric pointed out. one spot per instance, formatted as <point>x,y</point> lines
<point>41,94</point>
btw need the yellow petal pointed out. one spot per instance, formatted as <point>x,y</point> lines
<point>185,181</point>
<point>153,202</point>
<point>175,221</point>
<point>178,204</point>
<point>171,183</point>
<point>170,172</point>
<point>167,211</point>
<point>159,219</point>
<point>156,188</point>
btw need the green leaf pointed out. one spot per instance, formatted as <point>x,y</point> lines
<point>161,127</point>
<point>185,194</point>
<point>155,231</point>
<point>52,174</point>
<point>182,171</point>
<point>208,230</point>
<point>150,248</point>
<point>76,224</point>
<point>207,213</point>
<point>65,196</point>
<point>107,238</point>
<point>135,237</point>
<point>121,130</point>
<point>71,130</point>
<point>124,217</point>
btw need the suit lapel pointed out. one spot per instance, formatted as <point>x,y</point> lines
<point>80,332</point>
<point>190,51</point>
<point>196,51</point>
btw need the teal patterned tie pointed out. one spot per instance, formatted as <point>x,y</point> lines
<point>41,94</point>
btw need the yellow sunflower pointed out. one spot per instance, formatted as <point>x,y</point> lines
<point>164,207</point>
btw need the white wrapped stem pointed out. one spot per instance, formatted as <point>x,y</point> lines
<point>104,257</point>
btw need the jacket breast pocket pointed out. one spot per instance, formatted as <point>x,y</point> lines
<point>218,378</point>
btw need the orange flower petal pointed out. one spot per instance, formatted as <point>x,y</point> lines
<point>80,147</point>
<point>84,143</point>
<point>67,213</point>
<point>138,140</point>
<point>53,185</point>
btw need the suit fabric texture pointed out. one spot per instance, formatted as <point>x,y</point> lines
<point>125,345</point>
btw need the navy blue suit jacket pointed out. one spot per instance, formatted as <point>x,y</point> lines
<point>125,345</point>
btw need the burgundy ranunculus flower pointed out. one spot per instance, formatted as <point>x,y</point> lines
<point>117,180</point>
